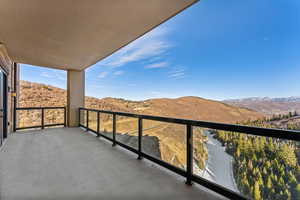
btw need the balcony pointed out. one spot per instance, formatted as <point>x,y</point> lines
<point>70,163</point>
<point>79,162</point>
<point>212,159</point>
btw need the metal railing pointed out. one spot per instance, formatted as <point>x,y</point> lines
<point>42,123</point>
<point>188,173</point>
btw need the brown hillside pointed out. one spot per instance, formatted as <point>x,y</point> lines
<point>201,109</point>
<point>35,94</point>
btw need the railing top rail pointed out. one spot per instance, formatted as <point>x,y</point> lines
<point>266,132</point>
<point>39,108</point>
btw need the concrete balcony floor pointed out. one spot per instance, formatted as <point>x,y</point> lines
<point>69,163</point>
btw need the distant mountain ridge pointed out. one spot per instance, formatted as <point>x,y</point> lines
<point>267,105</point>
<point>278,99</point>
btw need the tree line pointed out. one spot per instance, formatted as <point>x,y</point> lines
<point>264,168</point>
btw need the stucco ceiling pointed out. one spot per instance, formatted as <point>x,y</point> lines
<point>75,34</point>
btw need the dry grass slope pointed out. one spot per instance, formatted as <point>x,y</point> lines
<point>35,94</point>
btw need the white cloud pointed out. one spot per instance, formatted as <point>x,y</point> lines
<point>156,93</point>
<point>47,75</point>
<point>152,44</point>
<point>154,59</point>
<point>96,86</point>
<point>156,65</point>
<point>177,74</point>
<point>117,73</point>
<point>103,74</point>
<point>60,75</point>
<point>131,84</point>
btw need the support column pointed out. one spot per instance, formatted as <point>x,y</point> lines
<point>75,96</point>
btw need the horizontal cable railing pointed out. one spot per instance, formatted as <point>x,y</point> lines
<point>39,117</point>
<point>94,125</point>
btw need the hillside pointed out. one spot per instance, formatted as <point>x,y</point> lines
<point>35,94</point>
<point>171,138</point>
<point>269,106</point>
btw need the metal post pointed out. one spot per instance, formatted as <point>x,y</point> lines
<point>79,117</point>
<point>98,124</point>
<point>15,115</point>
<point>114,129</point>
<point>65,117</point>
<point>87,120</point>
<point>189,156</point>
<point>140,131</point>
<point>43,123</point>
<point>15,96</point>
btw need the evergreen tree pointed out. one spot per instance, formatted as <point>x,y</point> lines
<point>256,192</point>
<point>287,155</point>
<point>265,168</point>
<point>297,192</point>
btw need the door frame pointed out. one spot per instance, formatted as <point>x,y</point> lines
<point>5,103</point>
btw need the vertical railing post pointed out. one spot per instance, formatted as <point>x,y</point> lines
<point>87,120</point>
<point>43,122</point>
<point>98,124</point>
<point>79,117</point>
<point>114,129</point>
<point>140,132</point>
<point>189,156</point>
<point>65,117</point>
<point>15,116</point>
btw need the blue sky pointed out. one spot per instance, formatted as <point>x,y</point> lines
<point>216,49</point>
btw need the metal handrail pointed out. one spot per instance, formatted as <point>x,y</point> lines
<point>188,173</point>
<point>266,132</point>
<point>38,108</point>
<point>42,125</point>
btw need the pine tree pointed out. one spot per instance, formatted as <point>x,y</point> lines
<point>256,192</point>
<point>287,155</point>
<point>269,183</point>
<point>238,152</point>
<point>297,192</point>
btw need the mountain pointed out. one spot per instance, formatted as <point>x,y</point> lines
<point>269,106</point>
<point>196,108</point>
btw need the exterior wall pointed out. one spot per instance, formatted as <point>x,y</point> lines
<point>8,66</point>
<point>75,96</point>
